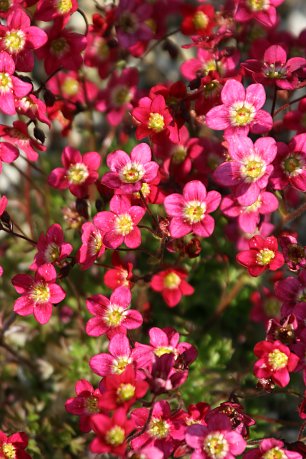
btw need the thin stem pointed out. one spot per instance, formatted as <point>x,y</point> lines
<point>274,101</point>
<point>85,19</point>
<point>143,199</point>
<point>285,106</point>
<point>21,236</point>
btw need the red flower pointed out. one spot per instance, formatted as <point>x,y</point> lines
<point>172,285</point>
<point>275,362</point>
<point>14,446</point>
<point>263,255</point>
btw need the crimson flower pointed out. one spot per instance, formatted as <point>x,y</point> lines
<point>92,246</point>
<point>172,285</point>
<point>13,446</point>
<point>38,294</point>
<point>275,362</point>
<point>263,254</point>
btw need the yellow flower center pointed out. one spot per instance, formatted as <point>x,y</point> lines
<point>70,87</point>
<point>277,359</point>
<point>40,293</point>
<point>194,211</point>
<point>253,207</point>
<point>125,392</point>
<point>59,47</point>
<point>5,5</point>
<point>258,5</point>
<point>242,113</point>
<point>64,6</point>
<point>14,41</point>
<point>210,66</point>
<point>264,257</point>
<point>179,154</point>
<point>114,315</point>
<point>91,405</point>
<point>272,71</point>
<point>156,122</point>
<point>274,453</point>
<point>252,168</point>
<point>162,350</point>
<point>52,252</point>
<point>121,95</point>
<point>115,436</point>
<point>9,451</point>
<point>124,224</point>
<point>216,446</point>
<point>132,173</point>
<point>77,173</point>
<point>145,189</point>
<point>172,280</point>
<point>95,243</point>
<point>200,20</point>
<point>293,165</point>
<point>158,428</point>
<point>5,82</point>
<point>120,364</point>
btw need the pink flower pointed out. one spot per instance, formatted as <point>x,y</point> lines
<point>38,294</point>
<point>240,112</point>
<point>63,48</point>
<point>271,448</point>
<point>14,444</point>
<point>207,61</point>
<point>122,390</point>
<point>92,246</point>
<point>275,362</point>
<point>263,12</point>
<point>8,153</point>
<point>3,204</point>
<point>19,38</point>
<point>275,69</point>
<point>51,247</point>
<point>249,169</point>
<point>11,87</point>
<point>263,254</point>
<point>172,284</point>
<point>116,99</point>
<point>249,216</point>
<point>215,440</point>
<point>290,164</point>
<point>291,292</point>
<point>112,315</point>
<point>190,212</point>
<point>47,10</point>
<point>69,87</point>
<point>78,172</point>
<point>119,225</point>
<point>18,135</point>
<point>111,433</point>
<point>129,172</point>
<point>119,357</point>
<point>33,108</point>
<point>197,20</point>
<point>163,431</point>
<point>131,17</point>
<point>154,120</point>
<point>85,404</point>
<point>121,274</point>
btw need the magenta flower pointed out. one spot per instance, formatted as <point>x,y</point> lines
<point>275,362</point>
<point>8,153</point>
<point>38,294</point>
<point>116,361</point>
<point>119,225</point>
<point>116,99</point>
<point>291,292</point>
<point>275,69</point>
<point>11,87</point>
<point>271,448</point>
<point>92,246</point>
<point>263,254</point>
<point>262,11</point>
<point>112,315</point>
<point>111,433</point>
<point>249,216</point>
<point>132,27</point>
<point>33,108</point>
<point>19,38</point>
<point>19,136</point>
<point>240,112</point>
<point>190,211</point>
<point>128,173</point>
<point>63,48</point>
<point>290,164</point>
<point>47,10</point>
<point>51,247</point>
<point>249,169</point>
<point>85,404</point>
<point>3,204</point>
<point>216,440</point>
<point>14,444</point>
<point>78,172</point>
<point>172,284</point>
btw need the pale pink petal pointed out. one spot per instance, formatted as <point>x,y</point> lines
<point>141,153</point>
<point>194,191</point>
